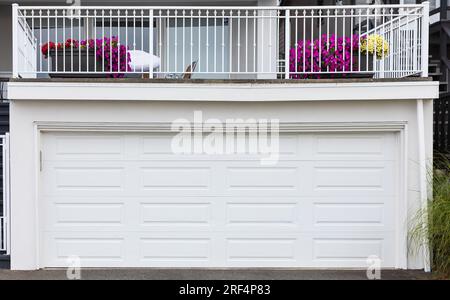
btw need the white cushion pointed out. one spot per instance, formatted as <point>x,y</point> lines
<point>141,61</point>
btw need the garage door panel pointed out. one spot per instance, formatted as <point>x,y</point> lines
<point>366,179</point>
<point>261,213</point>
<point>176,178</point>
<point>124,200</point>
<point>261,249</point>
<point>173,178</point>
<point>353,146</point>
<point>89,214</point>
<point>175,249</point>
<point>93,249</point>
<point>262,178</point>
<point>348,214</point>
<point>334,248</point>
<point>184,213</point>
<point>352,250</point>
<point>76,146</point>
<point>89,179</point>
<point>361,214</point>
<point>251,179</point>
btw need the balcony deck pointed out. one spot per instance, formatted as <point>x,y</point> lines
<point>209,90</point>
<point>220,81</point>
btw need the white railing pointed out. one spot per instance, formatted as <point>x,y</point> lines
<point>4,217</point>
<point>221,42</point>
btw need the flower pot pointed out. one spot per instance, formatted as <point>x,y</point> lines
<point>361,69</point>
<point>75,64</point>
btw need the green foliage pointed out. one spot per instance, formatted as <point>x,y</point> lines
<point>433,223</point>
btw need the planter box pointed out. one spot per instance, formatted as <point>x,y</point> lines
<point>366,67</point>
<point>73,64</point>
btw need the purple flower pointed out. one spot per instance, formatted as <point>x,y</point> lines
<point>327,53</point>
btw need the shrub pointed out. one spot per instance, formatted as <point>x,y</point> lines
<point>433,223</point>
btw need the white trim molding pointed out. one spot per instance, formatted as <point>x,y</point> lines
<point>423,184</point>
<point>223,91</point>
<point>166,127</point>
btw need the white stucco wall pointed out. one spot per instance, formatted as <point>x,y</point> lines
<point>24,114</point>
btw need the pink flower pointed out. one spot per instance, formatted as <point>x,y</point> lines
<point>107,50</point>
<point>327,53</point>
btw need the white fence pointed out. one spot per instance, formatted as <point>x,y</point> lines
<point>4,217</point>
<point>221,42</point>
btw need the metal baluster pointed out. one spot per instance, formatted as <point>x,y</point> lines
<point>150,42</point>
<point>184,38</point>
<point>238,41</point>
<point>231,42</point>
<point>255,57</point>
<point>215,41</point>
<point>223,41</point>
<point>343,40</point>
<point>352,33</point>
<point>199,39</point>
<point>95,40</point>
<point>207,41</point>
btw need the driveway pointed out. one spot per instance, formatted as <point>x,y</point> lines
<point>202,274</point>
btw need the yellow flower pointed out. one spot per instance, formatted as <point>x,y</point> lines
<point>374,43</point>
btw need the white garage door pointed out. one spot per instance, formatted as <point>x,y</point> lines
<point>124,200</point>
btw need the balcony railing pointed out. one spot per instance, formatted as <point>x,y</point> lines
<point>382,41</point>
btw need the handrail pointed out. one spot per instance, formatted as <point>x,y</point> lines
<point>211,7</point>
